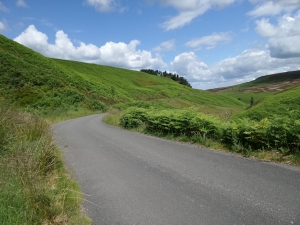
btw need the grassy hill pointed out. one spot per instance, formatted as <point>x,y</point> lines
<point>32,81</point>
<point>275,94</point>
<point>285,104</point>
<point>36,188</point>
<point>261,87</point>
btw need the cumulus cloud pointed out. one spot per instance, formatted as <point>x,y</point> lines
<point>283,37</point>
<point>2,26</point>
<point>103,5</point>
<point>189,10</point>
<point>191,67</point>
<point>21,3</point>
<point>3,7</point>
<point>210,41</point>
<point>115,54</point>
<point>127,56</point>
<point>273,7</point>
<point>242,68</point>
<point>165,46</point>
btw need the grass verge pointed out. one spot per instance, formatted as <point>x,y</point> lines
<point>35,186</point>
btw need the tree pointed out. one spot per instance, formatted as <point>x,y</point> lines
<point>175,77</point>
<point>251,101</point>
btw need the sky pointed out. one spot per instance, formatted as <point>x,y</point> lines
<point>212,43</point>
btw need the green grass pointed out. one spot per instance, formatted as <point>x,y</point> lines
<point>246,97</point>
<point>262,87</point>
<point>35,186</point>
<point>282,104</point>
<point>34,82</point>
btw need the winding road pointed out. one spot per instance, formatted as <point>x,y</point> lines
<point>131,178</point>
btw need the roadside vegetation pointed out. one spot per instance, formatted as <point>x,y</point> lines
<point>35,187</point>
<point>274,138</point>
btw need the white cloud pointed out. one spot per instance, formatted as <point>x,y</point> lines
<point>191,67</point>
<point>242,68</point>
<point>189,10</point>
<point>103,5</point>
<point>165,46</point>
<point>115,54</point>
<point>273,7</point>
<point>182,19</point>
<point>21,3</point>
<point>2,26</point>
<point>210,41</point>
<point>127,56</point>
<point>265,29</point>
<point>284,37</point>
<point>3,7</point>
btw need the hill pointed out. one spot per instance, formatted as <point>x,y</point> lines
<point>262,87</point>
<point>32,81</point>
<point>285,104</point>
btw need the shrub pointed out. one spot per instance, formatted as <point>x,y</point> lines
<point>133,117</point>
<point>243,135</point>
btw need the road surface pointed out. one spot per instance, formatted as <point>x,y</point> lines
<point>131,178</point>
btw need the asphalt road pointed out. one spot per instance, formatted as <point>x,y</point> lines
<point>130,178</point>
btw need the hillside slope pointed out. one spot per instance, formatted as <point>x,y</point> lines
<point>286,103</point>
<point>31,80</point>
<point>261,87</point>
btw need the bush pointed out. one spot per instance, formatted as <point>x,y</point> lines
<point>280,133</point>
<point>243,135</point>
<point>175,122</point>
<point>133,118</point>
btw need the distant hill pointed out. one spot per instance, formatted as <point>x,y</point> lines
<point>286,103</point>
<point>269,83</point>
<point>32,81</point>
<point>276,94</point>
<point>261,87</point>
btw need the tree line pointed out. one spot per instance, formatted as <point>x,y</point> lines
<point>173,76</point>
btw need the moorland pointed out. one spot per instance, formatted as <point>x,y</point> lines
<point>258,119</point>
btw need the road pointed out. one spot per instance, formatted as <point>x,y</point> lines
<point>131,178</point>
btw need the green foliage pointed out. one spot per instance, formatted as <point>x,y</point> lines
<point>282,104</point>
<point>176,122</point>
<point>40,84</point>
<point>175,77</point>
<point>251,101</point>
<point>34,185</point>
<point>32,81</point>
<point>243,135</point>
<point>279,133</point>
<point>133,118</point>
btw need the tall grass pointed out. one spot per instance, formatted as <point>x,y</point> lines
<point>35,188</point>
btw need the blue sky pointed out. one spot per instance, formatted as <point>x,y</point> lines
<point>212,43</point>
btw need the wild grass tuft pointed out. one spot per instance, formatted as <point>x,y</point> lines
<point>34,186</point>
